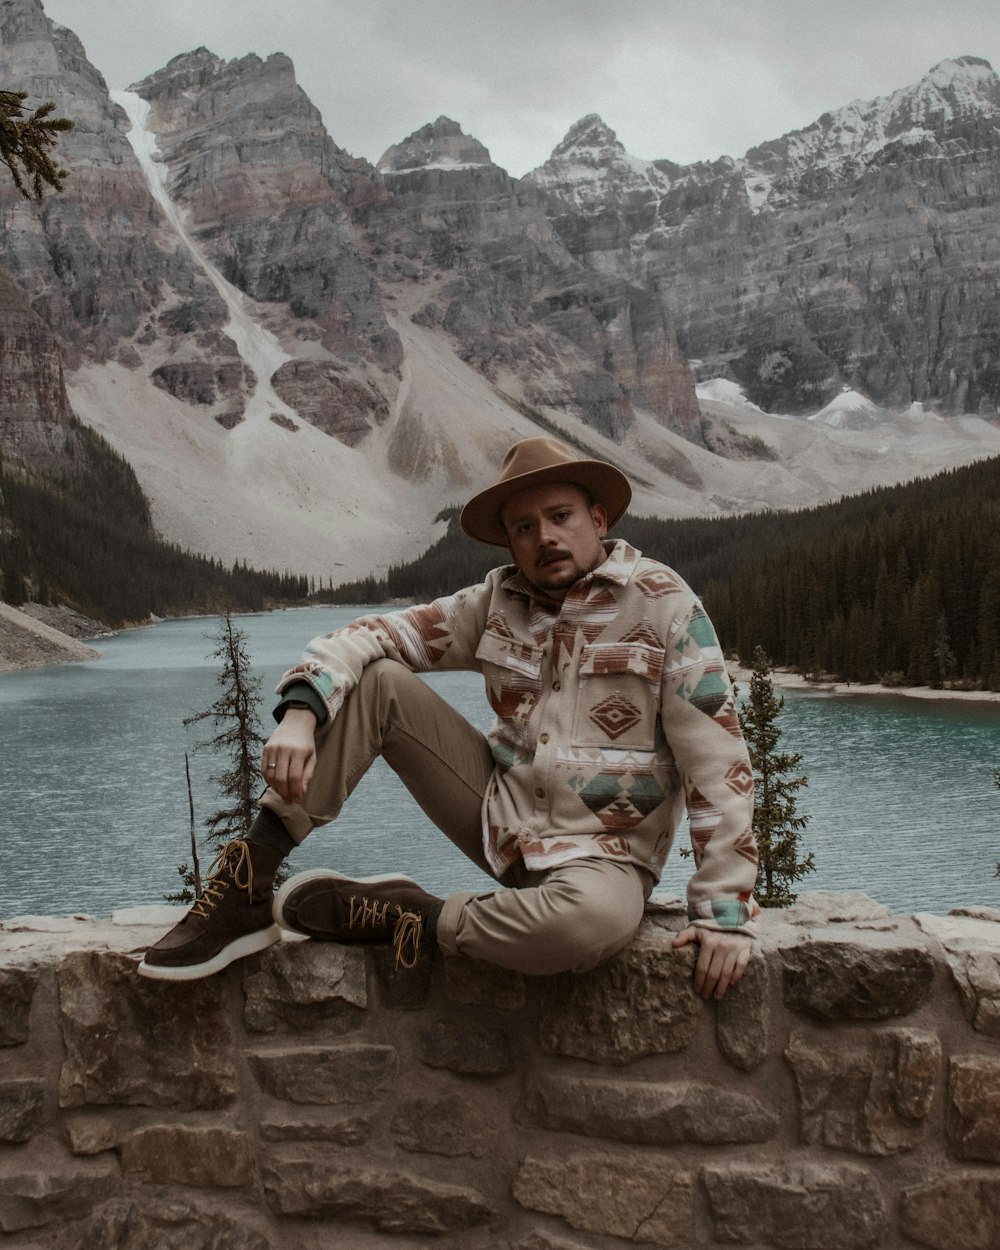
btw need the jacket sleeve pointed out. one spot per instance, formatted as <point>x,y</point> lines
<point>701,724</point>
<point>435,636</point>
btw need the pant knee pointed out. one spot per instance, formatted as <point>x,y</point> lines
<point>590,933</point>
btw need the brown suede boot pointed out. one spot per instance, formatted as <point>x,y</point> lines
<point>230,920</point>
<point>324,905</point>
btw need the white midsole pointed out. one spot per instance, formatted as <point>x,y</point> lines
<point>249,944</point>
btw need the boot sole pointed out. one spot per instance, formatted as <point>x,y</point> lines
<point>249,944</point>
<point>323,874</point>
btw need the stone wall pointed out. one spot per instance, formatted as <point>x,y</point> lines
<point>846,1095</point>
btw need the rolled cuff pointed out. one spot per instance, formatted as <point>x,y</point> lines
<point>727,915</point>
<point>301,692</point>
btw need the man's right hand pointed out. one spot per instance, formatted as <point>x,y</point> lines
<point>289,755</point>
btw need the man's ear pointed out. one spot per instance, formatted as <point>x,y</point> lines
<point>599,515</point>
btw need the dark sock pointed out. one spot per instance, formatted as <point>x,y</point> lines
<point>431,921</point>
<point>269,830</point>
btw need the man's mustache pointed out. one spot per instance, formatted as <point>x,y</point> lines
<point>547,557</point>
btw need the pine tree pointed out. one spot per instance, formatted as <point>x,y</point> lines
<point>238,740</point>
<point>776,825</point>
<point>996,782</point>
<point>25,141</point>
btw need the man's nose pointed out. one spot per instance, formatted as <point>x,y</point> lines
<point>546,533</point>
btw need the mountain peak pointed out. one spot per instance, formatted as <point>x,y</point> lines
<point>439,143</point>
<point>590,132</point>
<point>962,86</point>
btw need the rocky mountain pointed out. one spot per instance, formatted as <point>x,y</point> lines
<point>859,252</point>
<point>305,357</point>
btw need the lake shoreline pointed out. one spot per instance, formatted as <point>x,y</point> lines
<point>786,679</point>
<point>57,636</point>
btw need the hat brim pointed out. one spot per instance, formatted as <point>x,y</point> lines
<point>607,486</point>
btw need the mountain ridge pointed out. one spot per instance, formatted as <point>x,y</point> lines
<point>430,310</point>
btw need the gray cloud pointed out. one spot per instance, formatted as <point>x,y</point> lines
<point>675,79</point>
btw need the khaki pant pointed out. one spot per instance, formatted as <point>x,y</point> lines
<point>569,919</point>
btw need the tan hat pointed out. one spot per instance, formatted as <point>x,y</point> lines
<point>534,462</point>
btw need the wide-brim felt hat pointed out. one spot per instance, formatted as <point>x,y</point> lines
<point>535,462</point>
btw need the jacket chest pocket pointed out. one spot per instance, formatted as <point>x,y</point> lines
<point>513,672</point>
<point>619,696</point>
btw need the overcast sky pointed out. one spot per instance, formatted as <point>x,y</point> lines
<point>682,79</point>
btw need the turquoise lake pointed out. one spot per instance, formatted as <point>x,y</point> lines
<point>94,806</point>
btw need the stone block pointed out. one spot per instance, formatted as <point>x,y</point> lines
<point>304,1183</point>
<point>404,989</point>
<point>476,983</point>
<point>445,1124</point>
<point>625,1194</point>
<point>184,1154</point>
<point>842,980</point>
<point>328,1075</point>
<point>641,1002</point>
<point>545,1241</point>
<point>806,1207</point>
<point>162,1224</point>
<point>42,1186</point>
<point>868,1092</point>
<point>22,1108</point>
<point>90,1135</point>
<point>959,1212</point>
<point>131,1041</point>
<point>974,1121</point>
<point>972,948</point>
<point>343,1130</point>
<point>824,907</point>
<point>474,1050</point>
<point>743,1018</point>
<point>301,986</point>
<point>648,1113</point>
<point>17,991</point>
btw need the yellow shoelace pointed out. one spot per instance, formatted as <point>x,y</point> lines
<point>406,934</point>
<point>234,857</point>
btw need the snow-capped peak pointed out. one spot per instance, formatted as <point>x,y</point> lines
<point>954,91</point>
<point>591,162</point>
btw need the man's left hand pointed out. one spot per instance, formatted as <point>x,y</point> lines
<point>722,958</point>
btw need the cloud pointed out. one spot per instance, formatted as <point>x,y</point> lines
<point>674,78</point>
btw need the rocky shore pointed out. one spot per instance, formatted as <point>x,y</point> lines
<point>785,679</point>
<point>36,636</point>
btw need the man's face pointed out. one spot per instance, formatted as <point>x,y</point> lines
<point>554,534</point>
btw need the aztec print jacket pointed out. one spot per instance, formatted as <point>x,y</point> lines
<point>614,712</point>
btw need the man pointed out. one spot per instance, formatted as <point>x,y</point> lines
<point>614,712</point>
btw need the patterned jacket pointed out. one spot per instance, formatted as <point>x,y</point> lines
<point>614,712</point>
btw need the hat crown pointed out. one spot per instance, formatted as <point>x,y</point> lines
<point>532,454</point>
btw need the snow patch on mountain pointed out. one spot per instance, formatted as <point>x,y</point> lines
<point>257,346</point>
<point>849,411</point>
<point>724,391</point>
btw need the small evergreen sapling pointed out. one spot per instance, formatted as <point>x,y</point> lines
<point>776,825</point>
<point>996,782</point>
<point>235,717</point>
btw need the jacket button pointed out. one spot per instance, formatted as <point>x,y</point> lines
<point>539,793</point>
<point>543,739</point>
<point>556,686</point>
